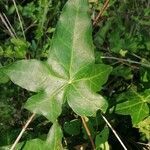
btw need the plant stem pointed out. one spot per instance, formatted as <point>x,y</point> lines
<point>21,25</point>
<point>12,29</point>
<point>22,131</point>
<point>144,144</point>
<point>126,60</point>
<point>105,6</point>
<point>6,25</point>
<point>115,133</point>
<point>88,132</point>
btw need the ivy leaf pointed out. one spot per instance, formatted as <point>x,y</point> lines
<point>47,105</point>
<point>72,46</point>
<point>54,138</point>
<point>83,101</point>
<point>32,75</point>
<point>70,73</point>
<point>134,104</point>
<point>101,140</point>
<point>72,127</point>
<point>94,75</point>
<point>144,128</point>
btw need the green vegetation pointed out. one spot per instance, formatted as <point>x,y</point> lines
<point>74,74</point>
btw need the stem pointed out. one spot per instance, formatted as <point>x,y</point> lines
<point>126,60</point>
<point>6,25</point>
<point>115,133</point>
<point>22,131</point>
<point>21,25</point>
<point>105,6</point>
<point>144,144</point>
<point>12,29</point>
<point>88,132</point>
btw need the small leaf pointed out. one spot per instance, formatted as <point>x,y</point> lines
<point>54,138</point>
<point>144,127</point>
<point>122,71</point>
<point>20,47</point>
<point>3,77</point>
<point>101,34</point>
<point>102,138</point>
<point>72,127</point>
<point>134,104</point>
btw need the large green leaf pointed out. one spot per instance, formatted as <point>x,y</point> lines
<point>134,104</point>
<point>70,73</point>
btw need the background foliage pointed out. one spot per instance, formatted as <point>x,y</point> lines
<point>121,39</point>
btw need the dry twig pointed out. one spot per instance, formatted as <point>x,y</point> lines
<point>22,131</point>
<point>115,133</point>
<point>21,25</point>
<point>88,132</point>
<point>6,25</point>
<point>99,16</point>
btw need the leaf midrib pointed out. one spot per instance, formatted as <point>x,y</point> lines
<point>54,93</point>
<point>81,94</point>
<point>126,107</point>
<point>88,78</point>
<point>139,112</point>
<point>73,44</point>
